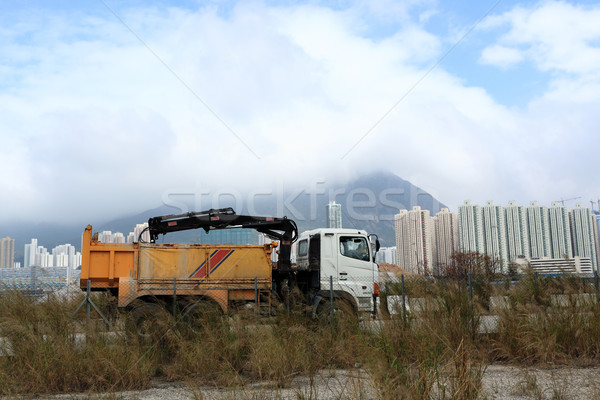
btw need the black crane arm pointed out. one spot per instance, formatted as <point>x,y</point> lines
<point>282,229</point>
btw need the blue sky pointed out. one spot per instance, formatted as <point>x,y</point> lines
<point>99,108</point>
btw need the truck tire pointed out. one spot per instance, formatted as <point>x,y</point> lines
<point>343,312</point>
<point>200,314</point>
<point>149,321</point>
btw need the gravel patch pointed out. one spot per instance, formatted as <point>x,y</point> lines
<point>513,383</point>
<point>499,382</point>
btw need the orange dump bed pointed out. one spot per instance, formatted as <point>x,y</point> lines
<point>141,269</point>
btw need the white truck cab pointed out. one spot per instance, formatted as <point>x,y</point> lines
<point>342,265</point>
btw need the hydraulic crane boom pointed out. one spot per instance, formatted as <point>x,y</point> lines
<point>282,229</point>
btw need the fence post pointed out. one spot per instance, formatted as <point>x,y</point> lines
<point>471,304</point>
<point>88,304</point>
<point>174,297</point>
<point>88,300</point>
<point>403,298</point>
<point>596,286</point>
<point>256,306</point>
<point>331,293</point>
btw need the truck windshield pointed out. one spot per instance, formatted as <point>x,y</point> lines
<point>354,247</point>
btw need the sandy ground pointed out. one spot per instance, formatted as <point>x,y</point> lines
<point>499,382</point>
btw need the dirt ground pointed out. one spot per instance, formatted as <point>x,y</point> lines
<point>499,382</point>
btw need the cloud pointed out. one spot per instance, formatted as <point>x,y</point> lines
<point>501,56</point>
<point>554,35</point>
<point>97,124</point>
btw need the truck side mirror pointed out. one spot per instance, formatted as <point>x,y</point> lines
<point>377,245</point>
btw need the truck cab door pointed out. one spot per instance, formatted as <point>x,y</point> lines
<point>355,268</point>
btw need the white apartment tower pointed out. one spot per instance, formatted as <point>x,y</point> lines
<point>140,229</point>
<point>470,227</point>
<point>539,230</point>
<point>445,233</point>
<point>387,255</point>
<point>414,240</point>
<point>334,215</point>
<point>560,232</point>
<point>583,234</point>
<point>494,227</point>
<point>517,231</point>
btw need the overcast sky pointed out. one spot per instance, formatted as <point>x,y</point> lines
<point>108,106</point>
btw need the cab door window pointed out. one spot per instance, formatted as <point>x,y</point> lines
<point>354,247</point>
<point>303,248</point>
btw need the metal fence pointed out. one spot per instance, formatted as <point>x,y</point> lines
<point>37,280</point>
<point>482,296</point>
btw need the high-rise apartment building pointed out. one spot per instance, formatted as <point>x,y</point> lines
<point>29,256</point>
<point>445,233</point>
<point>7,252</point>
<point>140,229</point>
<point>494,231</point>
<point>560,232</point>
<point>470,227</point>
<point>334,215</point>
<point>387,255</point>
<point>414,240</point>
<point>584,233</point>
<point>517,231</point>
<point>539,231</point>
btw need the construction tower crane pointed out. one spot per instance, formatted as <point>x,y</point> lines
<point>562,201</point>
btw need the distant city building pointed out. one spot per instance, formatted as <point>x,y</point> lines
<point>470,227</point>
<point>134,236</point>
<point>334,215</point>
<point>483,230</point>
<point>584,233</point>
<point>580,265</point>
<point>7,252</point>
<point>517,231</point>
<point>36,280</point>
<point>387,255</point>
<point>110,237</point>
<point>539,231</point>
<point>27,256</point>
<point>532,233</point>
<point>494,224</point>
<point>560,232</point>
<point>445,242</point>
<point>64,255</point>
<point>230,236</point>
<point>105,237</point>
<point>414,240</point>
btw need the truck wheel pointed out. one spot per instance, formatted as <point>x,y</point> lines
<point>200,314</point>
<point>148,320</point>
<point>342,312</point>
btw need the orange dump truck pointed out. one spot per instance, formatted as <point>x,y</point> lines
<point>146,275</point>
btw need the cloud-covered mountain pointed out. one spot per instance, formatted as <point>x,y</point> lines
<point>368,202</point>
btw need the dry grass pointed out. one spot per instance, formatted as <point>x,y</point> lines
<point>437,353</point>
<point>45,356</point>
